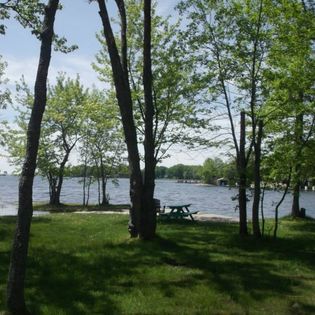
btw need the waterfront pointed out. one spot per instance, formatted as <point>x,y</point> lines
<point>209,199</point>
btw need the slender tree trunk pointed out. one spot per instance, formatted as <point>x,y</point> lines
<point>98,181</point>
<point>60,178</point>
<point>148,224</point>
<point>123,94</point>
<point>88,190</point>
<point>257,180</point>
<point>104,180</point>
<point>56,191</point>
<point>279,204</point>
<point>84,180</point>
<point>99,190</point>
<point>262,210</point>
<point>52,187</point>
<point>17,269</point>
<point>241,167</point>
<point>295,210</point>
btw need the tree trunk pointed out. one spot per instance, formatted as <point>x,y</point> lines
<point>279,204</point>
<point>98,181</point>
<point>53,196</point>
<point>60,178</point>
<point>241,167</point>
<point>104,181</point>
<point>298,134</point>
<point>17,269</point>
<point>257,180</point>
<point>123,94</point>
<point>262,210</point>
<point>84,180</point>
<point>57,185</point>
<point>52,187</point>
<point>148,222</point>
<point>88,190</point>
<point>295,211</point>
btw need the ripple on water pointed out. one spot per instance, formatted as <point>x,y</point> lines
<point>205,198</point>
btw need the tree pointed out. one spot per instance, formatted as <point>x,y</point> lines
<point>102,140</point>
<point>17,270</point>
<point>181,171</point>
<point>171,109</point>
<point>228,42</point>
<point>124,98</point>
<point>291,100</point>
<point>148,219</point>
<point>29,14</point>
<point>60,132</point>
<point>212,170</point>
<point>178,118</point>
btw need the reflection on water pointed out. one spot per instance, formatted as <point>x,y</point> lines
<point>211,199</point>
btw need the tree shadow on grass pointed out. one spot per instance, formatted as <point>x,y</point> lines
<point>300,247</point>
<point>7,226</point>
<point>305,225</point>
<point>4,268</point>
<point>86,280</point>
<point>231,276</point>
<point>233,273</point>
<point>73,284</point>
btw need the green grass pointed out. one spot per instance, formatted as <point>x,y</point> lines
<point>86,264</point>
<point>76,207</point>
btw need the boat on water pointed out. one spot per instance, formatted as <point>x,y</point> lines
<point>5,173</point>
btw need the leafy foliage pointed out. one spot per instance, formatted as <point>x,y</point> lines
<point>291,101</point>
<point>5,98</point>
<point>29,14</point>
<point>175,110</point>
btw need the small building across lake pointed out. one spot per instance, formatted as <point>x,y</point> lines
<point>222,182</point>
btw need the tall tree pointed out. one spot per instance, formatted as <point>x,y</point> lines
<point>15,290</point>
<point>28,12</point>
<point>124,98</point>
<point>228,41</point>
<point>291,101</point>
<point>169,111</point>
<point>148,219</point>
<point>60,132</point>
<point>178,117</point>
<point>102,146</point>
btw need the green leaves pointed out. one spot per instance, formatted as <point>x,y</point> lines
<point>29,13</point>
<point>5,95</point>
<point>176,114</point>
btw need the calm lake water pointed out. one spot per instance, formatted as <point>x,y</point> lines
<point>210,199</point>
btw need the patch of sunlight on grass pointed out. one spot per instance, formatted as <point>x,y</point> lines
<point>87,265</point>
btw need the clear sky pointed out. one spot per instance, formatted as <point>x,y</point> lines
<point>78,23</point>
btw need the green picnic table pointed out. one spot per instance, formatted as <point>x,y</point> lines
<point>179,212</point>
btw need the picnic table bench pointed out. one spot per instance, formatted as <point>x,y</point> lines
<point>179,212</point>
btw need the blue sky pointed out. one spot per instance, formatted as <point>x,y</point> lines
<point>78,24</point>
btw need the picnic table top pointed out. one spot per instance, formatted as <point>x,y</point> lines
<point>179,206</point>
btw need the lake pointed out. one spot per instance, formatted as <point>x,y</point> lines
<point>209,199</point>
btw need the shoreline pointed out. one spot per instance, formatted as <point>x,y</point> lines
<point>200,217</point>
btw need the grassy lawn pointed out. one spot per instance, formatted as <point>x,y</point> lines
<point>76,207</point>
<point>86,264</point>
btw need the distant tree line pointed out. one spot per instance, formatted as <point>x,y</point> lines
<point>209,172</point>
<point>120,171</point>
